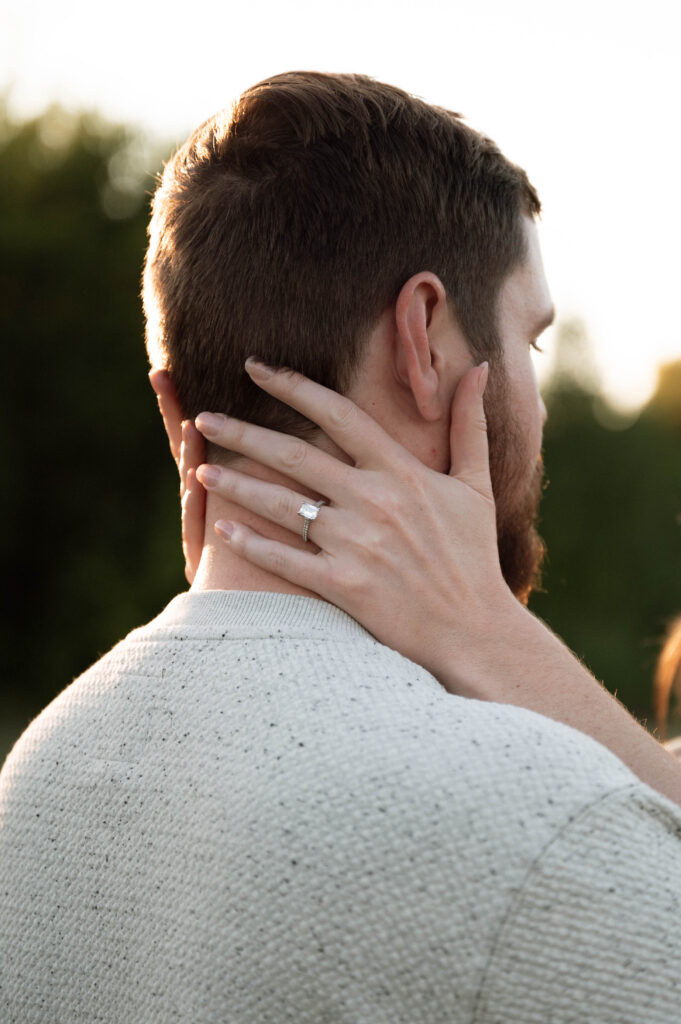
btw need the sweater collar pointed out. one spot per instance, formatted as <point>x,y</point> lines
<point>259,613</point>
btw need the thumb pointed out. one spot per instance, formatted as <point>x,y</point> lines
<point>468,432</point>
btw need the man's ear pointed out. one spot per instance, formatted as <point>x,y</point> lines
<point>171,411</point>
<point>422,317</point>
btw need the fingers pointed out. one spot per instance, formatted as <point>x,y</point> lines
<point>310,466</point>
<point>353,430</point>
<point>193,498</point>
<point>193,524</point>
<point>192,452</point>
<point>277,504</point>
<point>300,567</point>
<point>468,433</point>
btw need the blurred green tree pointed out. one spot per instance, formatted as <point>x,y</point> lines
<point>91,544</point>
<point>610,521</point>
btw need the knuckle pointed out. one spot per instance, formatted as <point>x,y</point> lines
<point>352,584</point>
<point>339,577</point>
<point>287,380</point>
<point>371,545</point>
<point>412,477</point>
<point>280,508</point>
<point>418,495</point>
<point>384,506</point>
<point>237,431</point>
<point>292,377</point>
<point>342,414</point>
<point>293,454</point>
<point>275,562</point>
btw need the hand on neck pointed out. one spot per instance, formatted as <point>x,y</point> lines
<point>220,568</point>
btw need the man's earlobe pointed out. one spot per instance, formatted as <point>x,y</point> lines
<point>170,408</point>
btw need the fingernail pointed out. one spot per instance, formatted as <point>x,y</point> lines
<point>257,370</point>
<point>224,528</point>
<point>209,423</point>
<point>482,379</point>
<point>208,475</point>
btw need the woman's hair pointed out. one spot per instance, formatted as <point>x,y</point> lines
<point>285,227</point>
<point>667,677</point>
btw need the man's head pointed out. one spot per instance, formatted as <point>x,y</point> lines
<point>290,226</point>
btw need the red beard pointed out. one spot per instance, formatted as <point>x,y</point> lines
<point>517,483</point>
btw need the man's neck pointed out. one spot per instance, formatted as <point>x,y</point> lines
<point>221,568</point>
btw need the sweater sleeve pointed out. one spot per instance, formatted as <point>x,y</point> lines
<point>594,934</point>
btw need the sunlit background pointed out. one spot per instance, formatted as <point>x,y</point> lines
<point>584,95</point>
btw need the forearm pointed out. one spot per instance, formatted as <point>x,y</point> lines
<point>520,661</point>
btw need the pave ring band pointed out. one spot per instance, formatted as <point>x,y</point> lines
<point>308,511</point>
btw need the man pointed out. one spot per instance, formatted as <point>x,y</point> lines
<point>251,809</point>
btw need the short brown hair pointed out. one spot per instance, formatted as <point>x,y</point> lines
<point>286,227</point>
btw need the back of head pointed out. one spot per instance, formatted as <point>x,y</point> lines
<point>286,227</point>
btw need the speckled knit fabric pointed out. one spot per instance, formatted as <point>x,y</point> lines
<point>249,811</point>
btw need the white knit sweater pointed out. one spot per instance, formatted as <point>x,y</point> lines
<point>249,811</point>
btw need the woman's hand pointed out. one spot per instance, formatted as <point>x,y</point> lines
<point>412,555</point>
<point>409,552</point>
<point>188,450</point>
<point>193,498</point>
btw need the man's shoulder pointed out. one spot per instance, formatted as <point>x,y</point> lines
<point>495,760</point>
<point>474,780</point>
<point>364,714</point>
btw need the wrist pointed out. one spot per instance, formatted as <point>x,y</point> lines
<point>471,656</point>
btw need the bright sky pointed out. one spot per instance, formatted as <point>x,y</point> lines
<point>584,95</point>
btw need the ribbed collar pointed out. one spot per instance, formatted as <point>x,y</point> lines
<point>256,613</point>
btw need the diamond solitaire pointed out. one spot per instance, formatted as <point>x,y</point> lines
<point>309,511</point>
